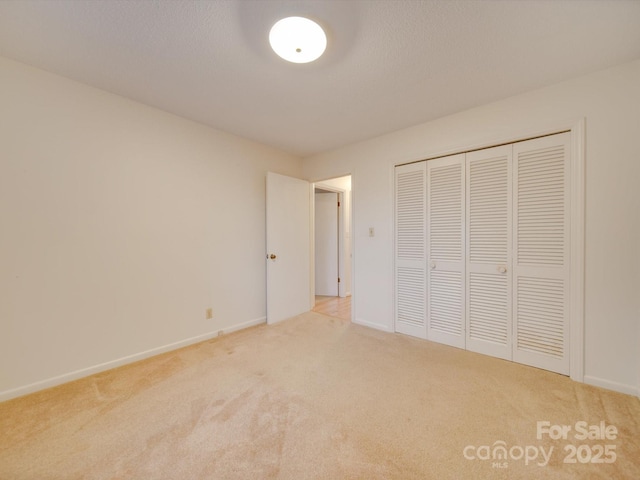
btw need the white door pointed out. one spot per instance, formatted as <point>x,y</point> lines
<point>288,242</point>
<point>326,244</point>
<point>411,251</point>
<point>541,269</point>
<point>488,254</point>
<point>446,250</point>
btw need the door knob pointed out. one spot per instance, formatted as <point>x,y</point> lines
<point>433,265</point>
<point>272,256</point>
<point>502,269</point>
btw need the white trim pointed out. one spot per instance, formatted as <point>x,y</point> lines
<point>85,372</point>
<point>609,385</point>
<point>242,326</point>
<point>352,239</point>
<point>577,249</point>
<point>341,246</point>
<point>312,245</point>
<point>391,179</point>
<point>375,326</point>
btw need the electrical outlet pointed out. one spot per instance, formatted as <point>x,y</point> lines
<point>209,313</point>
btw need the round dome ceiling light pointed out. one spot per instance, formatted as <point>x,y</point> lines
<point>298,39</point>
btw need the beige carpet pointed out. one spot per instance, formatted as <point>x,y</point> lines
<point>315,397</point>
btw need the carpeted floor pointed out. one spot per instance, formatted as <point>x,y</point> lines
<point>315,397</point>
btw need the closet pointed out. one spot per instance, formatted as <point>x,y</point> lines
<point>482,251</point>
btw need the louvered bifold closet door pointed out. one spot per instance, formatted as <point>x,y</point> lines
<point>445,250</point>
<point>488,269</point>
<point>541,252</point>
<point>411,253</point>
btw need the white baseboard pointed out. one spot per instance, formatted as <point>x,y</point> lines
<point>85,372</point>
<point>609,385</point>
<point>377,326</point>
<point>241,326</point>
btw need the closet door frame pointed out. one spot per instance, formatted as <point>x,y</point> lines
<point>577,167</point>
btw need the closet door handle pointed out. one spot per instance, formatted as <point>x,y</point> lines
<point>502,269</point>
<point>433,265</point>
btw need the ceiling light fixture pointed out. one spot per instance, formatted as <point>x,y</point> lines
<point>298,39</point>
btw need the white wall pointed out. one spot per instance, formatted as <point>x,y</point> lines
<point>610,102</point>
<point>120,224</point>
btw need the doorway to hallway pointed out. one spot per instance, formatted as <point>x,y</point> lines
<point>332,247</point>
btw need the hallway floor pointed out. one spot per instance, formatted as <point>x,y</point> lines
<point>335,306</point>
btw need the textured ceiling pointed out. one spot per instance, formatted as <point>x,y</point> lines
<point>389,64</point>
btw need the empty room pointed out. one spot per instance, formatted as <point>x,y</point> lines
<point>319,239</point>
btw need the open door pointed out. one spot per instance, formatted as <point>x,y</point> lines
<point>288,247</point>
<point>326,243</point>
